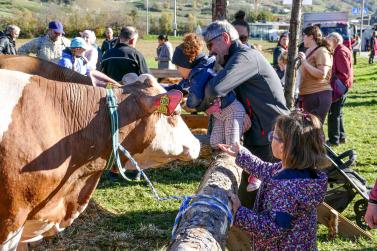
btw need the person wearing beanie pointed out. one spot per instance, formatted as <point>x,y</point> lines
<point>72,57</point>
<point>196,69</point>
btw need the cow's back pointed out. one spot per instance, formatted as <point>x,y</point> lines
<point>43,68</point>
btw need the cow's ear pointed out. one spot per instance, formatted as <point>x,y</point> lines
<point>147,79</point>
<point>165,103</point>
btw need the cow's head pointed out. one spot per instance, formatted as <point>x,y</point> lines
<point>167,135</point>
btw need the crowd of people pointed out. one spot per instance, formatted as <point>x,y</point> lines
<point>283,151</point>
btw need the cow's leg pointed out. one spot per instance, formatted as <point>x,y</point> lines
<point>12,240</point>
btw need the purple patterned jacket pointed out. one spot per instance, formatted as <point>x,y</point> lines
<point>285,211</point>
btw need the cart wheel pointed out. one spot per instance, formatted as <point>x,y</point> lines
<point>360,208</point>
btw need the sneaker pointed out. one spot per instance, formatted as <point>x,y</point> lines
<point>342,141</point>
<point>253,186</point>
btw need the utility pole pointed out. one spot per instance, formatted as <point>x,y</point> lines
<point>219,9</point>
<point>175,18</point>
<point>362,22</point>
<point>147,17</point>
<point>294,31</point>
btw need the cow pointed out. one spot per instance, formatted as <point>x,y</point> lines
<point>55,138</point>
<point>49,70</point>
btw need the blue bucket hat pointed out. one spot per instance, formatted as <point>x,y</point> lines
<point>79,42</point>
<point>56,26</point>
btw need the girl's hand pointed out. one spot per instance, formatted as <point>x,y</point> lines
<point>236,203</point>
<point>232,150</point>
<point>371,216</point>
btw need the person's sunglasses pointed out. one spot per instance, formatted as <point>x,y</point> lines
<point>272,137</point>
<point>209,42</point>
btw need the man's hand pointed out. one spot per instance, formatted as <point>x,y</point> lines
<point>232,150</point>
<point>236,203</point>
<point>371,216</point>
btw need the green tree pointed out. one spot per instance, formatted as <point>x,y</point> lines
<point>191,23</point>
<point>265,16</point>
<point>166,21</point>
<point>133,15</point>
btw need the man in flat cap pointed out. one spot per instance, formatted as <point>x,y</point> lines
<point>49,46</point>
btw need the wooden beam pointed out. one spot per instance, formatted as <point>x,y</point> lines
<point>195,121</point>
<point>203,227</point>
<point>338,224</point>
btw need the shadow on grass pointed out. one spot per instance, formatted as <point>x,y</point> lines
<point>99,229</point>
<point>173,173</point>
<point>356,96</point>
<point>363,103</point>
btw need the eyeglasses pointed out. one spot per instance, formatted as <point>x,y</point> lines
<point>272,137</point>
<point>209,43</point>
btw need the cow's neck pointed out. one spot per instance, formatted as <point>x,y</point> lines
<point>87,122</point>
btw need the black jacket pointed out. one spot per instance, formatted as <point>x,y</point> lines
<point>257,87</point>
<point>7,45</point>
<point>121,60</point>
<point>108,44</point>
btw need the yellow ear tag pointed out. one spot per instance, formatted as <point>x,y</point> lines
<point>164,102</point>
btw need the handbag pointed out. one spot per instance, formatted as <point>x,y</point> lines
<point>338,89</point>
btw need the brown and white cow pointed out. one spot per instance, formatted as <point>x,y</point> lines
<point>55,138</point>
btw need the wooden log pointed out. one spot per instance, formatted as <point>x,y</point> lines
<point>203,227</point>
<point>165,73</point>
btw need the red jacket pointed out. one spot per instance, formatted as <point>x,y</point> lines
<point>342,65</point>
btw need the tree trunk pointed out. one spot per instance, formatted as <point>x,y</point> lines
<point>218,10</point>
<point>294,29</point>
<point>203,227</point>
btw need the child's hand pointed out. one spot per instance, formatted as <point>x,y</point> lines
<point>236,203</point>
<point>232,150</point>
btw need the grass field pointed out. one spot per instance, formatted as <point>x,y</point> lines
<point>124,216</point>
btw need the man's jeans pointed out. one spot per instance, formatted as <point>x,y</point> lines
<point>335,121</point>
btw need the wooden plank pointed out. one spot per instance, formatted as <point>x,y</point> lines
<point>338,224</point>
<point>165,73</point>
<point>195,121</point>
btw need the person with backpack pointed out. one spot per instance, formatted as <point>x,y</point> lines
<point>48,47</point>
<point>341,71</point>
<point>8,40</point>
